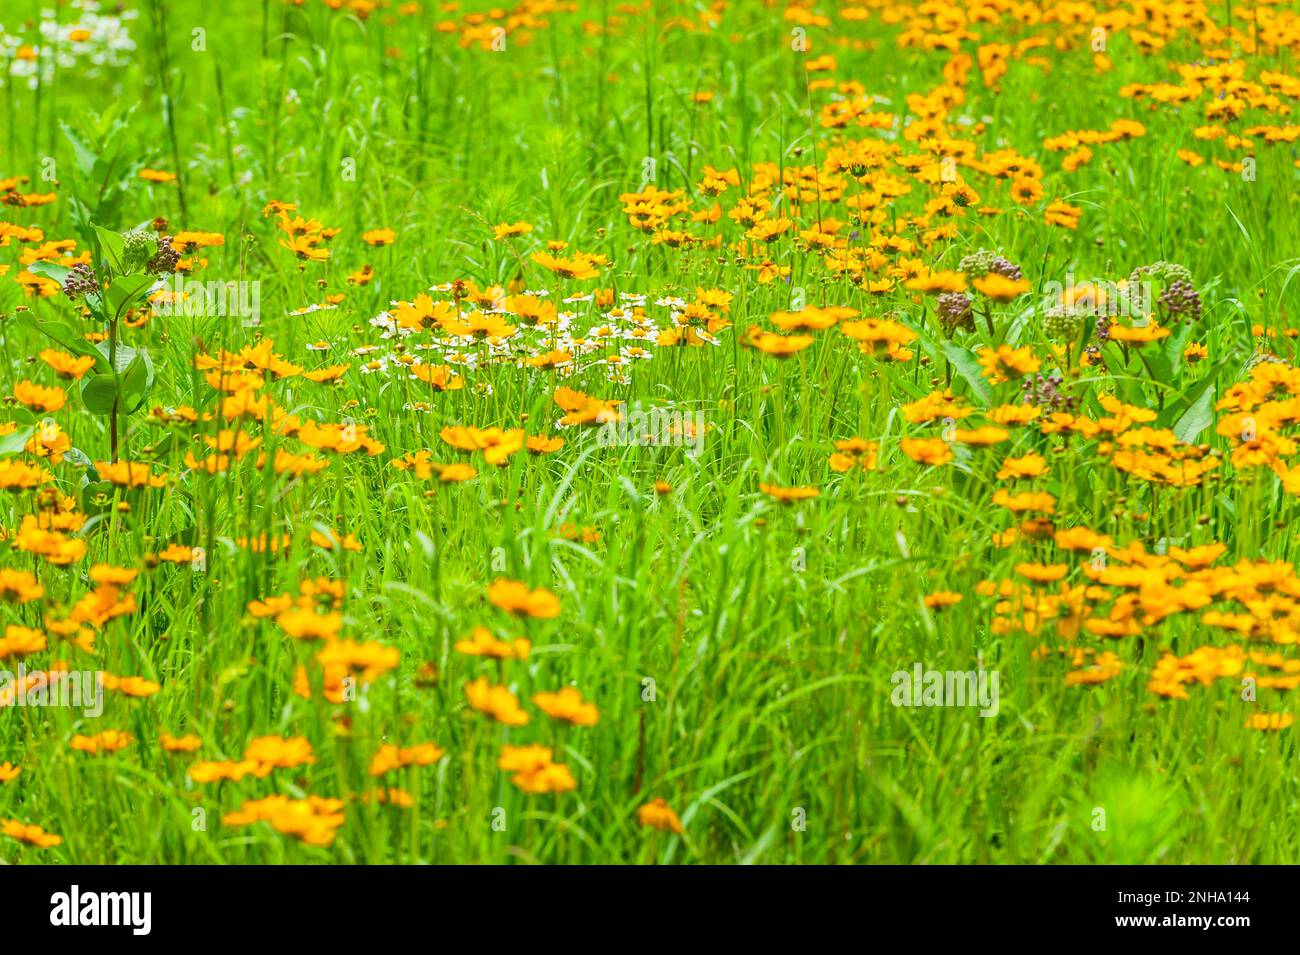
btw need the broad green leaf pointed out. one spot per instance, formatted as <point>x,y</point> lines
<point>112,245</point>
<point>81,151</point>
<point>137,381</point>
<point>99,394</point>
<point>67,338</point>
<point>969,368</point>
<point>51,270</point>
<point>1197,418</point>
<point>125,289</point>
<point>15,441</point>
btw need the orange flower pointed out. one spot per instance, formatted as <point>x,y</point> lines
<point>567,705</point>
<point>514,597</point>
<point>656,814</point>
<point>495,701</point>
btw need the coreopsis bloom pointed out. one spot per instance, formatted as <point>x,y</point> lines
<point>514,597</point>
<point>1039,501</point>
<point>508,230</point>
<point>495,701</point>
<point>339,438</point>
<point>1062,214</point>
<point>657,814</point>
<point>21,641</point>
<point>543,444</point>
<point>931,451</point>
<point>129,475</point>
<point>109,741</point>
<point>305,623</point>
<point>9,772</point>
<point>370,659</point>
<point>1105,667</point>
<point>584,409</point>
<point>221,771</point>
<point>55,547</point>
<point>811,318</point>
<point>1004,362</point>
<point>568,706</point>
<point>534,771</point>
<point>378,237</point>
<point>576,267</point>
<point>1031,465</point>
<point>1138,334</point>
<point>177,554</point>
<point>40,398</point>
<point>32,835</point>
<point>390,796</point>
<point>778,346</point>
<point>438,377</point>
<point>327,375</point>
<point>1042,573</point>
<point>20,476</point>
<point>390,757</point>
<point>853,453</point>
<point>788,495</point>
<point>455,473</point>
<point>938,282</point>
<point>133,686</point>
<point>306,247</point>
<point>19,586</point>
<point>313,820</point>
<point>278,752</point>
<point>987,435</point>
<point>999,287</point>
<point>179,744</point>
<point>878,336</point>
<point>482,642</point>
<point>941,599</point>
<point>1270,721</point>
<point>70,367</point>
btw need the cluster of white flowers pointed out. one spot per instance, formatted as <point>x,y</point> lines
<point>89,43</point>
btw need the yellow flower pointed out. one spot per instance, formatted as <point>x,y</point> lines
<point>534,771</point>
<point>495,701</point>
<point>514,597</point>
<point>656,814</point>
<point>787,495</point>
<point>567,705</point>
<point>278,752</point>
<point>313,820</point>
<point>39,398</point>
<point>1031,465</point>
<point>1000,288</point>
<point>1270,721</point>
<point>30,834</point>
<point>942,599</point>
<point>931,451</point>
<point>1004,362</point>
<point>378,237</point>
<point>109,741</point>
<point>483,643</point>
<point>390,757</point>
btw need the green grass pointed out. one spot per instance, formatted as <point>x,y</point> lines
<point>740,650</point>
